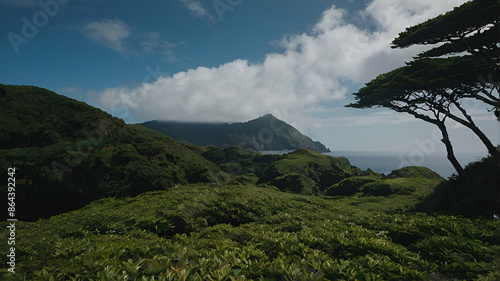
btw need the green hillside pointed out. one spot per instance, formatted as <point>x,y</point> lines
<point>35,117</point>
<point>68,154</point>
<point>302,171</point>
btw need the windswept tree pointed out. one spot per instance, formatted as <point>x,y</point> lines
<point>474,29</point>
<point>433,86</point>
<point>415,89</point>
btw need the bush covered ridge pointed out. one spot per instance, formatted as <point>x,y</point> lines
<point>243,232</point>
<point>136,160</point>
<point>480,198</point>
<point>35,117</point>
<point>308,172</point>
<point>93,155</point>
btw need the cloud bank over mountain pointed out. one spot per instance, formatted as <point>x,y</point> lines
<point>314,67</point>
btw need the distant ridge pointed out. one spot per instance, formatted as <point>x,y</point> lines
<point>264,133</point>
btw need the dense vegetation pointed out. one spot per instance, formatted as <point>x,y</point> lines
<point>92,156</point>
<point>145,207</point>
<point>243,232</point>
<point>35,117</point>
<point>264,133</point>
<point>480,198</point>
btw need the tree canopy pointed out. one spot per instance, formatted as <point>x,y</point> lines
<point>459,73</point>
<point>433,85</point>
<point>473,27</point>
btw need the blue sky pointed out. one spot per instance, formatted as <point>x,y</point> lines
<point>228,60</point>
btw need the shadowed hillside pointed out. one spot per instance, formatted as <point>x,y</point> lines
<point>480,198</point>
<point>67,154</point>
<point>264,133</point>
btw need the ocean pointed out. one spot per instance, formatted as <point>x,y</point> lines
<point>385,162</point>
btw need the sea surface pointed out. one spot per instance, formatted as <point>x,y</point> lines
<point>385,162</point>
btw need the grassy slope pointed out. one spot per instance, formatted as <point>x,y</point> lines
<point>195,232</point>
<point>73,154</point>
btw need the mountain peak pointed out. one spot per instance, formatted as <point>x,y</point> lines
<point>264,133</point>
<point>269,115</point>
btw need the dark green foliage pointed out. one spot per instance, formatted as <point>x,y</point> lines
<point>302,171</point>
<point>481,198</point>
<point>36,117</point>
<point>244,161</point>
<point>199,224</point>
<point>414,172</point>
<point>263,133</point>
<point>308,170</point>
<point>296,183</point>
<point>381,188</point>
<point>349,186</point>
<point>195,232</point>
<point>415,181</point>
<point>458,30</point>
<point>248,166</point>
<point>95,155</point>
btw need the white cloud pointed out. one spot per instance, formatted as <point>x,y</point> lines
<point>109,33</point>
<point>379,117</point>
<point>197,8</point>
<point>314,67</point>
<point>152,43</point>
<point>118,36</point>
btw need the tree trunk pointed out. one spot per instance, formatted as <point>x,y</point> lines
<point>451,154</point>
<point>471,125</point>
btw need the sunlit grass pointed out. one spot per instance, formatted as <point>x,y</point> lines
<point>244,232</point>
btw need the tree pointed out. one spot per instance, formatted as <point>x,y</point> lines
<point>414,89</point>
<point>472,28</point>
<point>432,87</point>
